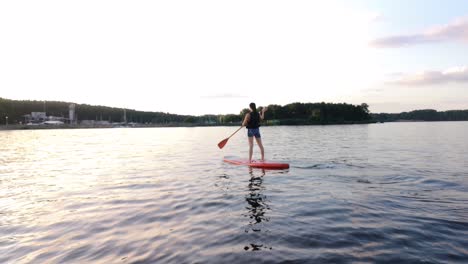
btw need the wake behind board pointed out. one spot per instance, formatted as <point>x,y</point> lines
<point>258,164</point>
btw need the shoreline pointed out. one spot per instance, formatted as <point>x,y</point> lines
<point>45,127</point>
<point>65,126</point>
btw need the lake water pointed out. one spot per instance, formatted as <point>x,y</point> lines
<point>393,192</point>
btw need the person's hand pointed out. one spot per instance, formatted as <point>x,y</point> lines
<point>264,109</point>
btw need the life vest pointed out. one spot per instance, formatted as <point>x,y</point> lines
<point>254,121</point>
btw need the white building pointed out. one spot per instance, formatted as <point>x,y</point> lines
<point>38,116</point>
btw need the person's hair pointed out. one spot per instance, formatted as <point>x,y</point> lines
<point>253,107</point>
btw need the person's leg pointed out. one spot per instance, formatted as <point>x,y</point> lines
<point>250,149</point>
<point>262,150</point>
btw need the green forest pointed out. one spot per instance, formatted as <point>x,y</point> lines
<point>423,115</point>
<point>290,114</point>
<point>15,110</point>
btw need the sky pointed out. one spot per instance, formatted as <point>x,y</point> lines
<point>215,57</point>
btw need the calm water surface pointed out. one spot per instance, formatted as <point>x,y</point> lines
<point>394,192</point>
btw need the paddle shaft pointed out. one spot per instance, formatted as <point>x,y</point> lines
<point>235,132</point>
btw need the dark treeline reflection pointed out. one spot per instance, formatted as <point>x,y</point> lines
<point>257,211</point>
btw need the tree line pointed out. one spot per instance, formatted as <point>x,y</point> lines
<point>16,109</point>
<point>423,115</point>
<point>290,114</point>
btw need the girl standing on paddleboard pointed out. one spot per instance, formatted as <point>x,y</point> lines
<point>252,122</point>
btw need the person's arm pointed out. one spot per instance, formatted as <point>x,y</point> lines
<point>246,119</point>
<point>262,114</point>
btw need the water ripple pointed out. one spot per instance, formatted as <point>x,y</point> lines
<point>164,196</point>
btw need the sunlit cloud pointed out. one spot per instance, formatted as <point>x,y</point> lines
<point>454,31</point>
<point>452,75</point>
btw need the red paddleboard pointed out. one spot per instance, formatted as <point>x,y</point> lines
<point>258,164</point>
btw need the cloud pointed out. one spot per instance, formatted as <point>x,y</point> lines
<point>454,31</point>
<point>376,17</point>
<point>224,96</point>
<point>452,75</point>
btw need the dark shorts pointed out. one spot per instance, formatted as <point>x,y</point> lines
<point>253,132</point>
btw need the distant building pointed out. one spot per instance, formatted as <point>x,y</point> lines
<point>94,123</point>
<point>35,117</point>
<point>38,116</point>
<point>42,118</point>
<point>56,118</point>
<point>27,118</point>
<point>102,123</point>
<point>71,113</point>
<point>53,123</point>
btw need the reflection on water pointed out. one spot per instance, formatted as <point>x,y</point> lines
<point>393,193</point>
<point>257,208</point>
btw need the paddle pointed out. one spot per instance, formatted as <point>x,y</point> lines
<point>224,141</point>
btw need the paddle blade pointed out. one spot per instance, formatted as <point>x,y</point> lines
<point>223,143</point>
